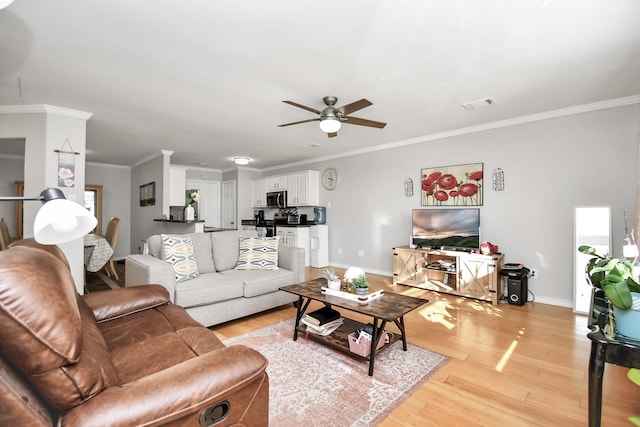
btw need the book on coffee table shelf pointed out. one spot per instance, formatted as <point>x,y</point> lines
<point>324,330</point>
<point>321,316</point>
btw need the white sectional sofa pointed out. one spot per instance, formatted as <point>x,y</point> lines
<point>220,293</point>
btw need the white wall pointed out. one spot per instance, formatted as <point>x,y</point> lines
<point>116,200</point>
<point>550,166</point>
<point>142,224</point>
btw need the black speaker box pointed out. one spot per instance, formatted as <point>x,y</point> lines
<point>517,290</point>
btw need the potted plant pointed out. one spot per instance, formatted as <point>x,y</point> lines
<point>616,279</point>
<point>333,280</point>
<point>360,284</point>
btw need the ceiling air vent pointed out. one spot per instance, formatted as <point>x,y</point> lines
<point>480,103</point>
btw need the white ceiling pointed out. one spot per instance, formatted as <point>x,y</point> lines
<point>206,78</point>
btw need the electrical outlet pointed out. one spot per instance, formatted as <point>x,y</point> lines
<point>339,251</point>
<point>533,273</point>
<point>361,252</point>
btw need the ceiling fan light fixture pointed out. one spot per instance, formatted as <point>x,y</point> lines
<point>242,161</point>
<point>330,124</point>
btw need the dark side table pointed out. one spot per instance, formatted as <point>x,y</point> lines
<point>617,351</point>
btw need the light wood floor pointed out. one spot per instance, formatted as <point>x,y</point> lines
<point>511,365</point>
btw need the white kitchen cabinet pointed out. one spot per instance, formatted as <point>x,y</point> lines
<point>259,193</point>
<point>298,237</point>
<point>303,188</point>
<point>276,183</point>
<point>177,186</point>
<point>292,190</point>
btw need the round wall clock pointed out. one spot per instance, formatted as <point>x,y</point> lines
<point>330,178</point>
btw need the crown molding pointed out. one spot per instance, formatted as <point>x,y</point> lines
<point>145,159</point>
<point>108,165</point>
<point>44,108</point>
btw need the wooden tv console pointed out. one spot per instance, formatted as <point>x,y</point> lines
<point>449,271</point>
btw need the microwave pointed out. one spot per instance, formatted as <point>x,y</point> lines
<point>277,199</point>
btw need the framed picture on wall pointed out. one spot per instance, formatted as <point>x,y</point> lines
<point>148,194</point>
<point>458,185</point>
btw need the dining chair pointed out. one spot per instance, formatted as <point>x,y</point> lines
<point>113,227</point>
<point>5,237</point>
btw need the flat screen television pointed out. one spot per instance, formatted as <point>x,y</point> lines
<point>457,228</point>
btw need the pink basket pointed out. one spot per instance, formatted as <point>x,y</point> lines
<point>364,347</point>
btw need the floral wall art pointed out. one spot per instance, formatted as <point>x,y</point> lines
<point>459,185</point>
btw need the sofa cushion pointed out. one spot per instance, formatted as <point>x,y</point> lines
<point>207,289</point>
<point>259,282</point>
<point>135,341</point>
<point>258,253</point>
<point>178,251</point>
<point>226,247</point>
<point>203,252</point>
<point>154,246</point>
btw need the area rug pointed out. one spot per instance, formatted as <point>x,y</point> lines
<point>314,385</point>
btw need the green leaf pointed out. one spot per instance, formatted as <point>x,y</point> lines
<point>635,420</point>
<point>618,294</point>
<point>586,249</point>
<point>634,286</point>
<point>634,375</point>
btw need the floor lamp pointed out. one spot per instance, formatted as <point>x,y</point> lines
<point>59,220</point>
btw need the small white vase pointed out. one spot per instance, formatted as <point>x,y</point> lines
<point>189,213</point>
<point>334,285</point>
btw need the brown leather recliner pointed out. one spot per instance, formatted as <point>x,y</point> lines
<point>123,357</point>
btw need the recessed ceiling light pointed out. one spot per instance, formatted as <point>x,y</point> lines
<point>479,103</point>
<point>241,160</point>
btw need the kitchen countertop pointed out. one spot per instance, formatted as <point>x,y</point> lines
<point>215,229</point>
<point>179,221</point>
<point>269,222</point>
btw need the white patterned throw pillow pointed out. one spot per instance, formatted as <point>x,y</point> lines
<point>258,253</point>
<point>178,251</point>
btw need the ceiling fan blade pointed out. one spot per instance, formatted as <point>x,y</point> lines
<point>363,122</point>
<point>301,121</point>
<point>332,134</point>
<point>304,107</point>
<point>354,106</point>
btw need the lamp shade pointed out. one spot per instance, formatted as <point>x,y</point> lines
<point>61,221</point>
<point>5,3</point>
<point>330,124</point>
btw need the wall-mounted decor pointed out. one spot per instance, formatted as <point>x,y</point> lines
<point>148,194</point>
<point>66,166</point>
<point>459,185</point>
<point>498,179</point>
<point>408,187</point>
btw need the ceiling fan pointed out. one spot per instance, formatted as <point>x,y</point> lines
<point>331,118</point>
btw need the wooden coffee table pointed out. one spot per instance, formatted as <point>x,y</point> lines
<point>390,307</point>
